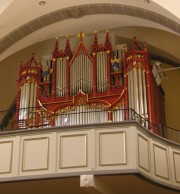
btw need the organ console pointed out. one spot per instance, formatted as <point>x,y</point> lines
<point>81,87</point>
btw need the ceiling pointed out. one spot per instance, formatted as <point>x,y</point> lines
<point>23,22</point>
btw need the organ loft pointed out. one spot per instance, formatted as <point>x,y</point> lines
<point>80,87</point>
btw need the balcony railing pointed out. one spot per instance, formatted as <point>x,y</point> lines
<point>80,116</point>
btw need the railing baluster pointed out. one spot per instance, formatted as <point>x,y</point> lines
<point>81,116</point>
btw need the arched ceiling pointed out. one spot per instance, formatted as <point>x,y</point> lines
<point>24,23</point>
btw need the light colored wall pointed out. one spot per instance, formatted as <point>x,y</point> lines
<point>9,69</point>
<point>171,86</point>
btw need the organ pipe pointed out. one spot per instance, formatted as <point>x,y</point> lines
<point>101,62</point>
<point>82,115</point>
<point>144,92</point>
<point>141,104</point>
<point>61,77</point>
<point>81,77</point>
<point>136,99</point>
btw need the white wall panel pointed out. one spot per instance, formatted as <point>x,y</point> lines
<point>112,148</point>
<point>73,151</point>
<point>176,160</point>
<point>143,153</point>
<point>94,149</point>
<point>6,151</point>
<point>161,161</point>
<point>35,154</point>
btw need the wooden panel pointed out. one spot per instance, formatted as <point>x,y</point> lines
<point>112,148</point>
<point>73,151</point>
<point>176,159</point>
<point>6,148</point>
<point>143,153</point>
<point>35,154</point>
<point>161,162</point>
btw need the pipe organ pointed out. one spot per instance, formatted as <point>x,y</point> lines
<point>82,87</point>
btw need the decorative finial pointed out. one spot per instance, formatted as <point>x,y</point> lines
<point>67,51</point>
<point>56,49</point>
<point>81,35</point>
<point>107,44</point>
<point>134,39</point>
<point>21,63</point>
<point>95,45</point>
<point>145,46</point>
<point>39,64</point>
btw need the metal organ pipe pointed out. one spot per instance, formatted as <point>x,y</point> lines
<point>57,78</point>
<point>21,102</point>
<point>99,75</point>
<point>31,92</point>
<point>71,79</point>
<point>80,70</point>
<point>141,103</point>
<point>25,101</point>
<point>27,98</point>
<point>118,115</point>
<point>81,75</point>
<point>101,71</point>
<point>144,93</point>
<point>31,96</point>
<point>131,95</point>
<point>90,65</point>
<point>83,64</point>
<point>87,80</point>
<point>82,115</point>
<point>129,89</point>
<point>64,76</point>
<point>35,92</point>
<point>77,77</point>
<point>97,72</point>
<point>61,77</point>
<point>136,87</point>
<point>105,67</point>
<point>78,65</point>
